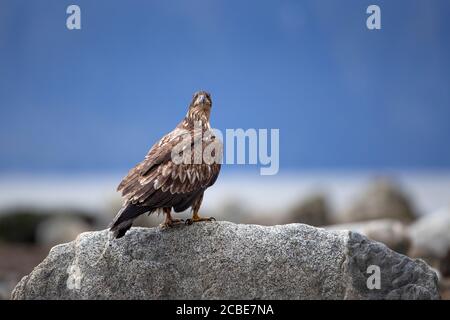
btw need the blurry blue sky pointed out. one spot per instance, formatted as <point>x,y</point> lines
<point>342,96</point>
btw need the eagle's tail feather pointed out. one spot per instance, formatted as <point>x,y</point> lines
<point>124,219</point>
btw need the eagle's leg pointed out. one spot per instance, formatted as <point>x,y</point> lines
<point>195,208</point>
<point>169,221</point>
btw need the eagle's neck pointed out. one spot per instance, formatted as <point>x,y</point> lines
<point>198,116</point>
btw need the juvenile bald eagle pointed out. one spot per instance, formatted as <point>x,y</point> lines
<point>162,182</point>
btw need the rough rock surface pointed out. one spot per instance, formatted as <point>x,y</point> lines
<point>221,260</point>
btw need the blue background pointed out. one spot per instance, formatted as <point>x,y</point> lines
<point>342,96</point>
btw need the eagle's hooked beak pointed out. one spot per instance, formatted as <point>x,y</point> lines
<point>201,98</point>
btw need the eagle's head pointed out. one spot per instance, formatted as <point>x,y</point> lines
<point>201,99</point>
<point>200,107</point>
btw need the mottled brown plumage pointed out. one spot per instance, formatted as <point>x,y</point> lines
<point>160,182</point>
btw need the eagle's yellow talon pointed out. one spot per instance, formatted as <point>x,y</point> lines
<point>170,223</point>
<point>198,219</point>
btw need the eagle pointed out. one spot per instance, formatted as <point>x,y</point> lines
<point>172,176</point>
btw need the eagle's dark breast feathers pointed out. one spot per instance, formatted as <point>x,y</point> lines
<point>158,182</point>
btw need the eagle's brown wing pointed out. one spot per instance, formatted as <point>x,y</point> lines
<point>157,182</point>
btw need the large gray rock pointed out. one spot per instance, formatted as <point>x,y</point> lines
<point>222,260</point>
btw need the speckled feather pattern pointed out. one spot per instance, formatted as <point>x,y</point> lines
<point>158,182</point>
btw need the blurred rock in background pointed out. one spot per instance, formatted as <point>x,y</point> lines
<point>382,199</point>
<point>392,233</point>
<point>21,224</point>
<point>17,260</point>
<point>313,210</point>
<point>430,237</point>
<point>27,234</point>
<point>444,269</point>
<point>61,229</point>
<point>444,265</point>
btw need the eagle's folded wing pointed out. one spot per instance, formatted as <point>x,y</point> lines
<point>157,181</point>
<point>160,152</point>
